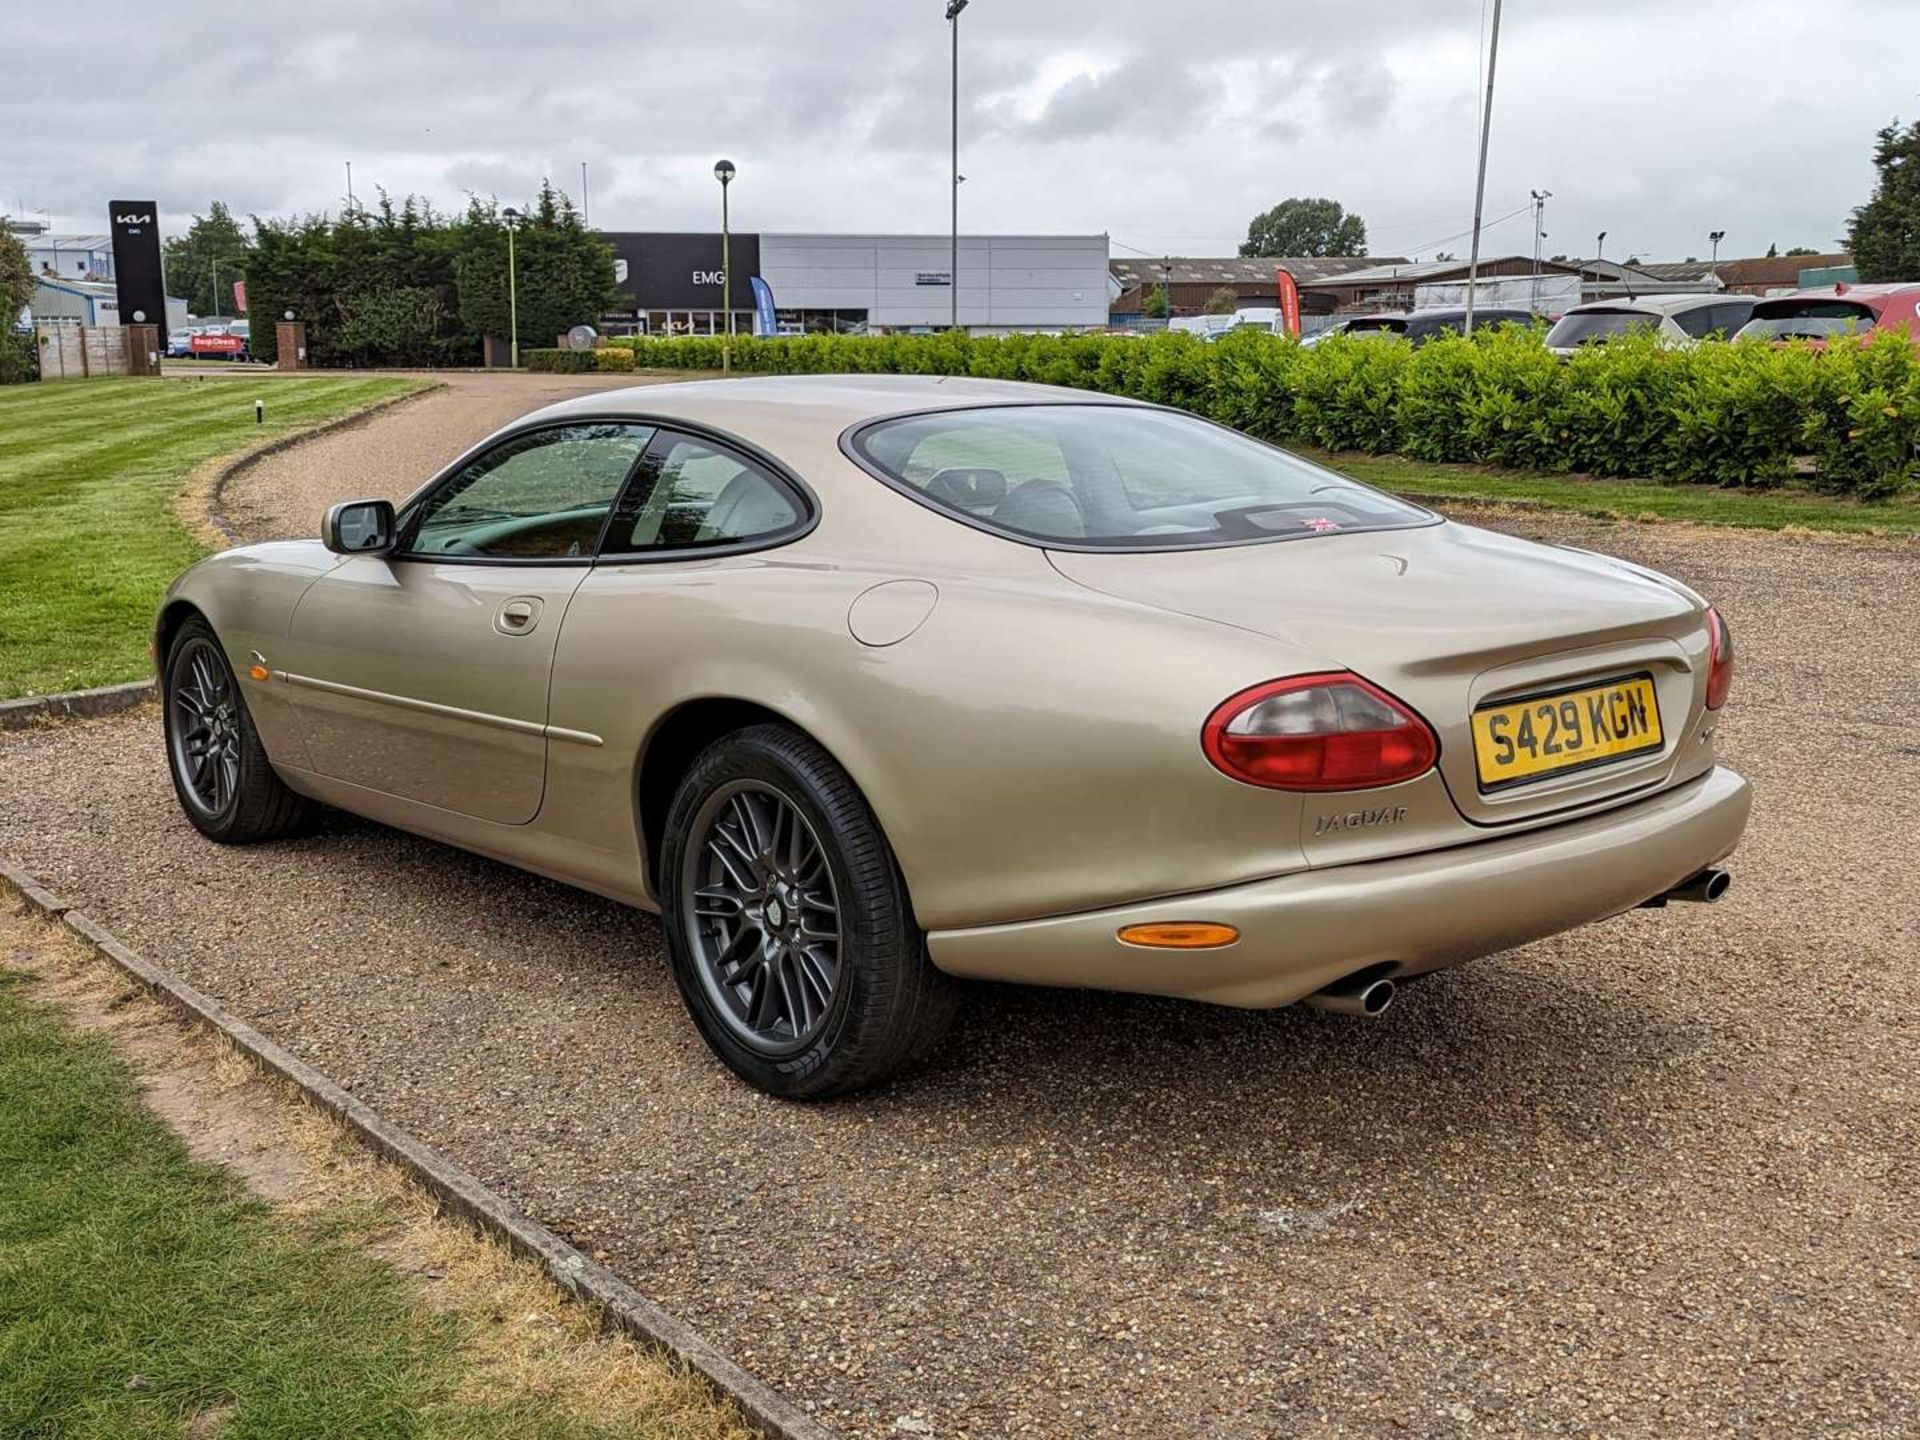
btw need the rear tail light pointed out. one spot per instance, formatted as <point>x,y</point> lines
<point>1318,732</point>
<point>1720,661</point>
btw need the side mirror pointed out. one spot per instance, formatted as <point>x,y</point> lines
<point>359,527</point>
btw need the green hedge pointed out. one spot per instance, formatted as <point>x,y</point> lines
<point>578,362</point>
<point>1744,414</point>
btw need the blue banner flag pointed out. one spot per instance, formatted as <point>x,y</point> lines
<point>764,322</point>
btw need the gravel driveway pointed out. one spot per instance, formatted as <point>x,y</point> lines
<point>1656,1178</point>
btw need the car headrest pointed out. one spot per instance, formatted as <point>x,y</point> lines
<point>968,487</point>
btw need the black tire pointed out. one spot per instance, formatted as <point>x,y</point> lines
<point>886,1006</point>
<point>221,774</point>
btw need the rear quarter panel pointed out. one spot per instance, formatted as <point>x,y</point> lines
<point>1031,749</point>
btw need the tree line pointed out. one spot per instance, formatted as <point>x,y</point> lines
<point>398,283</point>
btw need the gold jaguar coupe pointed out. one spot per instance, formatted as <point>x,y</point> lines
<point>869,683</point>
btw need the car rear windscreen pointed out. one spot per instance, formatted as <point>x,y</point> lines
<point>1117,477</point>
<point>1807,319</point>
<point>1585,327</point>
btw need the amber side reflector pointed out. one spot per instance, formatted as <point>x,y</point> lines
<point>1180,935</point>
<point>260,672</point>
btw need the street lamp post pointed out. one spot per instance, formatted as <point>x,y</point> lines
<point>1480,185</point>
<point>1600,246</point>
<point>1540,198</point>
<point>512,217</point>
<point>1166,290</point>
<point>1715,237</point>
<point>724,172</point>
<point>954,7</point>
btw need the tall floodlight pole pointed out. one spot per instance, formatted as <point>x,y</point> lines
<point>1480,185</point>
<point>1716,236</point>
<point>583,193</point>
<point>723,171</point>
<point>954,7</point>
<point>349,187</point>
<point>512,217</point>
<point>1540,198</point>
<point>1600,246</point>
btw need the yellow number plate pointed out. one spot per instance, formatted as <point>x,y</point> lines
<point>1521,740</point>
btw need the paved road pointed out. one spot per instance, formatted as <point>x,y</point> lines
<point>286,494</point>
<point>1655,1178</point>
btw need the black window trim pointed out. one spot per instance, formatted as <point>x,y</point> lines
<point>412,507</point>
<point>782,476</point>
<point>849,446</point>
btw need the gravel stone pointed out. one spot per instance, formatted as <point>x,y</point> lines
<point>1652,1178</point>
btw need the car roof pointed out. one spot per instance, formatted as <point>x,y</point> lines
<point>1659,304</point>
<point>1847,291</point>
<point>816,405</point>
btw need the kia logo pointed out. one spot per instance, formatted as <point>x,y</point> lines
<point>133,219</point>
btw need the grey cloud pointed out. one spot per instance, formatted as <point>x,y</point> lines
<point>1136,96</point>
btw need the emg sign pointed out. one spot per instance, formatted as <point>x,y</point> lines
<point>673,270</point>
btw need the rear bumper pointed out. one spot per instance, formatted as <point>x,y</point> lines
<point>1423,912</point>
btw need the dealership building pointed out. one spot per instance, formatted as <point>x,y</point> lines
<point>671,282</point>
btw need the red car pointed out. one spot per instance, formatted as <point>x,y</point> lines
<point>1842,309</point>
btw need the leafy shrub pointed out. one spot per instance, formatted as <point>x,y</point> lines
<point>560,362</point>
<point>612,357</point>
<point>19,358</point>
<point>1741,414</point>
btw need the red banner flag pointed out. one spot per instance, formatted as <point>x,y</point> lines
<point>240,297</point>
<point>1289,300</point>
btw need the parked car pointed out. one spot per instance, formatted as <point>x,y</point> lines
<point>180,342</point>
<point>1420,326</point>
<point>870,683</point>
<point>1676,319</point>
<point>1819,315</point>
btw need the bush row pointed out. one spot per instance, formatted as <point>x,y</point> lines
<point>1747,414</point>
<point>578,362</point>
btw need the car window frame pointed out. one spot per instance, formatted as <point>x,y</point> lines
<point>666,433</point>
<point>407,525</point>
<point>849,447</point>
<point>415,504</point>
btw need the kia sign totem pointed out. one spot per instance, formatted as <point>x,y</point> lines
<point>136,262</point>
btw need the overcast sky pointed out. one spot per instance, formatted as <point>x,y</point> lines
<point>1165,124</point>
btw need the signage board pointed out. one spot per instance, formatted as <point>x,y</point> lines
<point>217,344</point>
<point>136,261</point>
<point>681,271</point>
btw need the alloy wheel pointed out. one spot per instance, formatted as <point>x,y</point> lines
<point>205,733</point>
<point>762,915</point>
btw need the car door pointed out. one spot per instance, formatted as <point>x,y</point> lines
<point>688,560</point>
<point>424,673</point>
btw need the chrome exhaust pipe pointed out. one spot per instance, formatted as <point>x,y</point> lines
<point>1358,994</point>
<point>1706,887</point>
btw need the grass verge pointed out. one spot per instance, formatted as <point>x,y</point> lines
<point>1788,508</point>
<point>89,534</point>
<point>144,1293</point>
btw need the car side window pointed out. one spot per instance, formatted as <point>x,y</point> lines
<point>1703,321</point>
<point>541,495</point>
<point>695,494</point>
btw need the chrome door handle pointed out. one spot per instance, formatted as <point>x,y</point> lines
<point>517,617</point>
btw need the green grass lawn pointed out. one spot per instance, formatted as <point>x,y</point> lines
<point>89,473</point>
<point>143,1292</point>
<point>1634,500</point>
